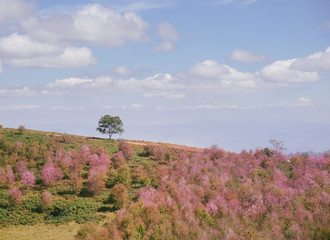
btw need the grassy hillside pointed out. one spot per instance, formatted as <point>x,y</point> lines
<point>110,189</point>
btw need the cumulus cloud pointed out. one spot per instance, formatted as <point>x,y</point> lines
<point>315,62</point>
<point>219,76</point>
<point>246,56</point>
<point>15,9</point>
<point>98,82</point>
<point>92,23</point>
<point>282,71</point>
<point>22,46</point>
<point>158,81</point>
<point>70,57</point>
<point>303,101</point>
<point>167,32</point>
<point>1,68</point>
<point>18,91</point>
<point>164,47</point>
<point>123,71</point>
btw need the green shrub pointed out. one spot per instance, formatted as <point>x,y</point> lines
<point>4,203</point>
<point>118,196</point>
<point>80,210</point>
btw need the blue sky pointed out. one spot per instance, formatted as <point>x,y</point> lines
<point>235,73</point>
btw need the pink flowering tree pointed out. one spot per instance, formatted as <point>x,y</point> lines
<point>50,174</point>
<point>96,181</point>
<point>47,199</point>
<point>21,167</point>
<point>15,195</point>
<point>10,175</point>
<point>28,178</point>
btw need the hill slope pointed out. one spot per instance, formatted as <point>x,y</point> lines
<point>143,190</point>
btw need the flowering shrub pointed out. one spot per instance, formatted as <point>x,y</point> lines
<point>28,178</point>
<point>50,174</point>
<point>15,195</point>
<point>126,149</point>
<point>47,198</point>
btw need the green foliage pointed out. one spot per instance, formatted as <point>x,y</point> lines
<point>110,125</point>
<point>118,196</point>
<point>21,129</point>
<point>80,210</point>
<point>204,216</point>
<point>267,152</point>
<point>120,176</point>
<point>321,233</point>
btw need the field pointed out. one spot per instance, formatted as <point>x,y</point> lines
<point>59,186</point>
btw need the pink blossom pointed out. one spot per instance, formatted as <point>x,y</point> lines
<point>21,167</point>
<point>47,198</point>
<point>15,195</point>
<point>51,174</point>
<point>28,178</point>
<point>10,175</point>
<point>235,206</point>
<point>211,207</point>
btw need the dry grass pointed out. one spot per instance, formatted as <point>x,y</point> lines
<point>40,232</point>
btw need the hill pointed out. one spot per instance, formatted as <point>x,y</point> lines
<point>141,190</point>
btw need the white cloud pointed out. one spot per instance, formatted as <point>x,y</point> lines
<point>164,47</point>
<point>108,107</point>
<point>15,9</point>
<point>136,106</point>
<point>158,81</point>
<point>1,68</point>
<point>214,76</point>
<point>167,32</point>
<point>315,62</point>
<point>22,46</point>
<point>18,91</point>
<point>20,107</point>
<point>123,71</point>
<point>167,95</point>
<point>303,101</point>
<point>92,23</point>
<point>70,57</point>
<point>246,56</point>
<point>281,71</point>
<point>98,82</point>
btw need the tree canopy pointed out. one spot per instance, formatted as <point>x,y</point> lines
<point>110,125</point>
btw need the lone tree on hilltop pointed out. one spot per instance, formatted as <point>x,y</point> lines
<point>110,125</point>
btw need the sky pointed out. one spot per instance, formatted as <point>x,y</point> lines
<point>231,73</point>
